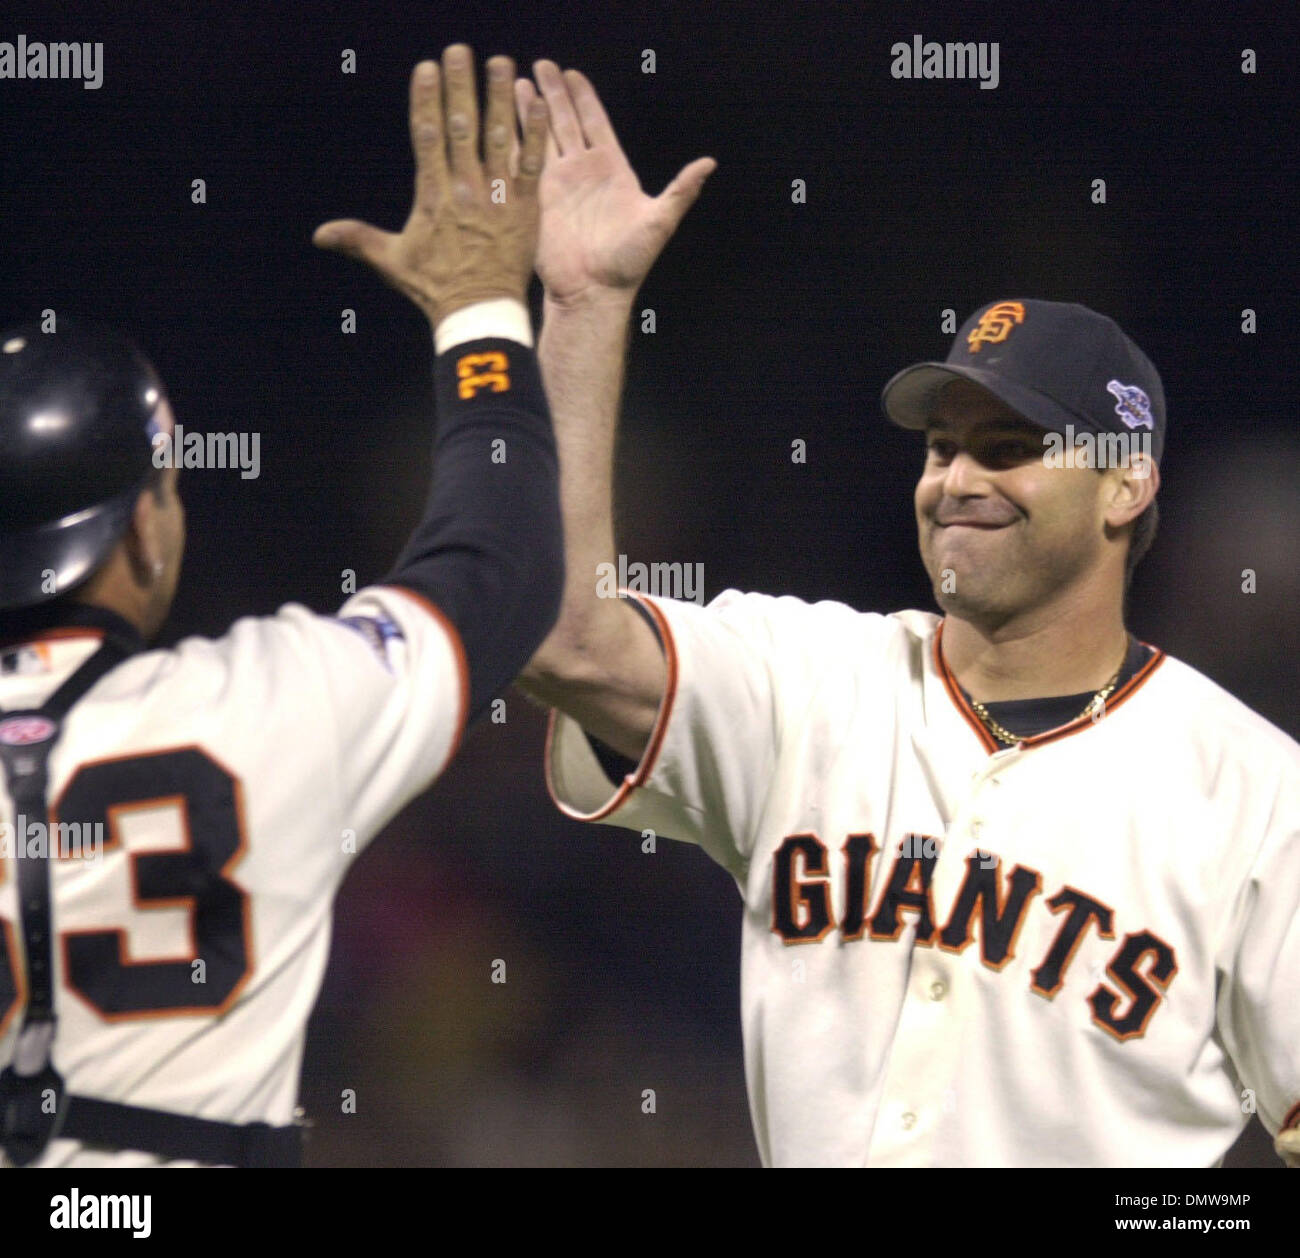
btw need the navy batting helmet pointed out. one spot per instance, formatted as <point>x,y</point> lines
<point>78,414</point>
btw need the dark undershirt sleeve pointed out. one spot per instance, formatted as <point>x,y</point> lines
<point>616,765</point>
<point>489,552</point>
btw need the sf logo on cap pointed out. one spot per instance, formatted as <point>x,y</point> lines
<point>995,324</point>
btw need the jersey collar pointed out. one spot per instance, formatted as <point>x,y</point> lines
<point>61,619</point>
<point>1121,695</point>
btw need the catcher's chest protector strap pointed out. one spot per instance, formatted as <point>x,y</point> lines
<point>34,1106</point>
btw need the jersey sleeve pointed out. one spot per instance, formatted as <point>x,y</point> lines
<point>1259,999</point>
<point>360,711</point>
<point>401,709</point>
<point>711,757</point>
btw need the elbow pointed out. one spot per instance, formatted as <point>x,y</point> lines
<point>571,657</point>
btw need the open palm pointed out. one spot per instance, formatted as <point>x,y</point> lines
<point>599,230</point>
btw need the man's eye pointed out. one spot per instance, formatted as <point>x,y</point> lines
<point>942,450</point>
<point>1015,451</point>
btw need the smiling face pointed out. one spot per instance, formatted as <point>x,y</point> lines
<point>1000,531</point>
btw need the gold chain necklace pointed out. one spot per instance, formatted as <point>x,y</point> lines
<point>1004,735</point>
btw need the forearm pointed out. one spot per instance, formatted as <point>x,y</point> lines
<point>489,552</point>
<point>581,352</point>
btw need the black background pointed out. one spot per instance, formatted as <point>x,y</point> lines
<point>774,321</point>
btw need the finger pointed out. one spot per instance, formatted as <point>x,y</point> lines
<point>428,140</point>
<point>590,112</point>
<point>462,112</point>
<point>525,94</point>
<point>682,193</point>
<point>521,114</point>
<point>499,132</point>
<point>564,121</point>
<point>533,156</point>
<point>354,238</point>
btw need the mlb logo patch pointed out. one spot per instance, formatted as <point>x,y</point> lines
<point>1131,404</point>
<point>379,631</point>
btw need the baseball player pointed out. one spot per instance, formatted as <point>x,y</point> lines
<point>176,822</point>
<point>1019,889</point>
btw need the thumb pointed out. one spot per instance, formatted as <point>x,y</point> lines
<point>681,194</point>
<point>1287,1146</point>
<point>352,237</point>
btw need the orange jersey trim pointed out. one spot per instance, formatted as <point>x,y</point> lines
<point>990,744</point>
<point>987,740</point>
<point>647,765</point>
<point>51,635</point>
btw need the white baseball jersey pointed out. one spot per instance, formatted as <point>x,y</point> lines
<point>233,782</point>
<point>1080,951</point>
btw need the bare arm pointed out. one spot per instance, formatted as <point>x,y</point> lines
<point>601,663</point>
<point>600,234</point>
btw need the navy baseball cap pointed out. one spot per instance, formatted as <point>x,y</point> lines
<point>1055,363</point>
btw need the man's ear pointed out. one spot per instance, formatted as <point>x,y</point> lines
<point>1131,490</point>
<point>143,537</point>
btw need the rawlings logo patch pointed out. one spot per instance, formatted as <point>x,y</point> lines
<point>25,661</point>
<point>23,731</point>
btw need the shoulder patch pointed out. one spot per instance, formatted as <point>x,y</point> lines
<point>378,631</point>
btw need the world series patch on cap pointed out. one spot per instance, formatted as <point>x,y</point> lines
<point>1058,364</point>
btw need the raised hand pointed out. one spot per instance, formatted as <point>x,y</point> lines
<point>600,233</point>
<point>472,231</point>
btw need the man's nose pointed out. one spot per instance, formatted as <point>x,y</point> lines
<point>965,477</point>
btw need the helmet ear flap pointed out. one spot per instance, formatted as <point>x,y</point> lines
<point>77,418</point>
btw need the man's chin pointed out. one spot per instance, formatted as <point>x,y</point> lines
<point>979,602</point>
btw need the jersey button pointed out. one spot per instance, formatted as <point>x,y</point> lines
<point>909,1120</point>
<point>938,989</point>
